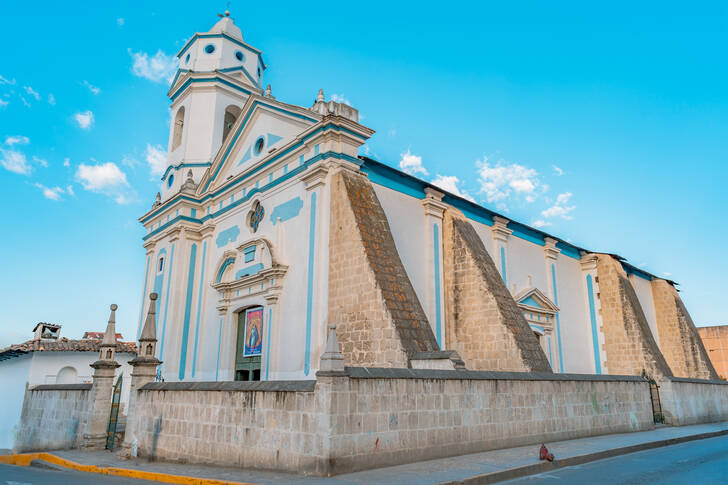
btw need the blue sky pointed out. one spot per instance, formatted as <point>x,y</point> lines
<point>606,127</point>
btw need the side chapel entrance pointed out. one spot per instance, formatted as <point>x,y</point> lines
<point>249,344</point>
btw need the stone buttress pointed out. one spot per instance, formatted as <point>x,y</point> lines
<point>628,342</point>
<point>484,324</point>
<point>379,319</point>
<point>679,339</point>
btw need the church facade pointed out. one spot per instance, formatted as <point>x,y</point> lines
<point>269,226</point>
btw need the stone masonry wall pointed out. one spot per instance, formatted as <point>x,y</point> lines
<point>379,319</point>
<point>715,341</point>
<point>53,417</point>
<point>693,401</point>
<point>680,342</point>
<point>484,324</point>
<point>628,340</point>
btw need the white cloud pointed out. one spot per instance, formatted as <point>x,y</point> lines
<point>66,162</point>
<point>84,119</point>
<point>450,183</point>
<point>52,193</point>
<point>6,81</point>
<point>32,92</point>
<point>17,140</point>
<point>340,98</point>
<point>156,157</point>
<point>498,181</point>
<point>40,161</point>
<point>558,170</point>
<point>411,163</point>
<point>158,68</point>
<point>101,177</point>
<point>3,103</point>
<point>667,274</point>
<point>69,191</point>
<point>540,223</point>
<point>25,102</point>
<point>560,207</point>
<point>51,100</point>
<point>95,90</point>
<point>120,21</point>
<point>15,161</point>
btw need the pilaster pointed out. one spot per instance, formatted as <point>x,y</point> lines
<point>434,304</point>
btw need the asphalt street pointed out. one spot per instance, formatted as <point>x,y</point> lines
<point>696,462</point>
<point>21,475</point>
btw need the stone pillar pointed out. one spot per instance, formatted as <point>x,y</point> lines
<point>144,371</point>
<point>434,303</point>
<point>271,321</point>
<point>501,233</point>
<point>103,382</point>
<point>551,255</point>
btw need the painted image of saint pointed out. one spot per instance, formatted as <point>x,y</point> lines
<point>253,332</point>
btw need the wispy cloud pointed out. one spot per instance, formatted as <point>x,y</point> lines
<point>540,223</point>
<point>6,81</point>
<point>560,208</point>
<point>14,161</point>
<point>84,119</point>
<point>52,193</point>
<point>411,163</point>
<point>32,92</point>
<point>120,21</point>
<point>340,98</point>
<point>25,102</point>
<point>500,180</point>
<point>95,90</point>
<point>451,184</point>
<point>156,157</point>
<point>51,100</point>
<point>40,161</point>
<point>66,162</point>
<point>158,68</point>
<point>17,140</point>
<point>557,170</point>
<point>105,178</point>
<point>3,103</point>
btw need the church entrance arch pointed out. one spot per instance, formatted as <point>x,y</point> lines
<point>249,345</point>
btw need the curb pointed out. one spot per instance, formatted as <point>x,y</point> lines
<point>541,467</point>
<point>50,461</point>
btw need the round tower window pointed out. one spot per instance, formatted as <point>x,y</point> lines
<point>239,56</point>
<point>209,48</point>
<point>259,144</point>
<point>170,180</point>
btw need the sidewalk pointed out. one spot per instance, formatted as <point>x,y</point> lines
<point>486,467</point>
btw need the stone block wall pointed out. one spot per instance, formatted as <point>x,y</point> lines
<point>53,417</point>
<point>380,321</point>
<point>715,341</point>
<point>680,342</point>
<point>484,324</point>
<point>693,401</point>
<point>628,340</point>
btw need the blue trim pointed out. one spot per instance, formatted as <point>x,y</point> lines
<point>251,270</point>
<point>503,265</point>
<point>287,210</point>
<point>593,318</point>
<point>243,70</point>
<point>569,250</point>
<point>176,76</point>
<point>309,295</point>
<point>629,269</point>
<point>224,266</point>
<point>548,343</point>
<point>219,344</point>
<point>199,308</point>
<point>184,165</point>
<point>228,235</point>
<point>188,310</point>
<point>537,327</point>
<point>184,85</point>
<point>144,297</point>
<point>249,253</point>
<point>438,318</point>
<point>558,326</point>
<point>267,345</point>
<point>531,302</point>
<point>224,36</point>
<point>525,232</point>
<point>166,303</point>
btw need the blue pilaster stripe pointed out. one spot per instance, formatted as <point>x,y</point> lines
<point>166,303</point>
<point>267,345</point>
<point>309,296</point>
<point>548,341</point>
<point>438,318</point>
<point>558,325</point>
<point>593,317</point>
<point>199,308</point>
<point>144,297</point>
<point>188,310</point>
<point>503,265</point>
<point>219,344</point>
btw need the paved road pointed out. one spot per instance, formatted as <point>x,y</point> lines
<point>697,462</point>
<point>21,475</point>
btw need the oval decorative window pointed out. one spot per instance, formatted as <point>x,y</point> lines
<point>170,180</point>
<point>239,56</point>
<point>209,48</point>
<point>259,144</point>
<point>256,216</point>
<point>187,59</point>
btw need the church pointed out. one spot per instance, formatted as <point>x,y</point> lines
<point>269,226</point>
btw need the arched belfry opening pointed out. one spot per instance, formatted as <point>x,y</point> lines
<point>232,113</point>
<point>179,123</point>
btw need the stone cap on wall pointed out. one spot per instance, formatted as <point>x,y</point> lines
<point>696,381</point>
<point>461,374</point>
<point>61,387</point>
<point>264,386</point>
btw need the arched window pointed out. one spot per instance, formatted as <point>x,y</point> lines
<point>231,115</point>
<point>179,123</point>
<point>149,349</point>
<point>67,375</point>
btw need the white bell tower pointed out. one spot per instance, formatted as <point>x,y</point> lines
<point>217,73</point>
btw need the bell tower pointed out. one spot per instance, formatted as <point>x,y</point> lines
<point>217,73</point>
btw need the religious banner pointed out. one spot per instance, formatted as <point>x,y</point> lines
<point>253,332</point>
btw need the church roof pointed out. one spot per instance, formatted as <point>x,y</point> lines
<point>62,345</point>
<point>226,26</point>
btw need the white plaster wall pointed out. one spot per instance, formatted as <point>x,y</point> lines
<point>13,376</point>
<point>643,289</point>
<point>525,258</point>
<point>486,235</point>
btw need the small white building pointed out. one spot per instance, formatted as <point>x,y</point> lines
<point>49,359</point>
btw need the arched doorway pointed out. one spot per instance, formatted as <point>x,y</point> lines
<point>67,375</point>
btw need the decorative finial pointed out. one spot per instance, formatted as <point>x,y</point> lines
<point>110,334</point>
<point>332,360</point>
<point>114,307</point>
<point>320,98</point>
<point>149,331</point>
<point>157,200</point>
<point>267,91</point>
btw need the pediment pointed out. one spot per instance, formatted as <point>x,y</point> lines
<point>533,299</point>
